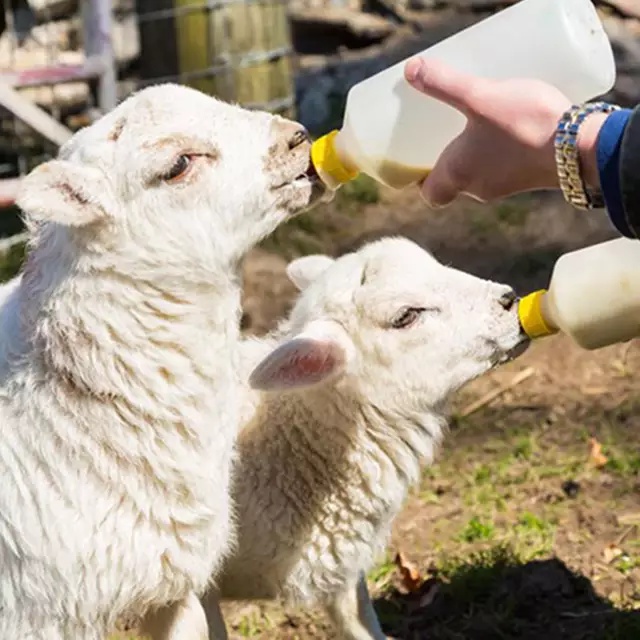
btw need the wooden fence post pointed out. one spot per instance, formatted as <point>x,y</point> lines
<point>237,50</point>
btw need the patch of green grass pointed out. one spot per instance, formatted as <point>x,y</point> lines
<point>481,224</point>
<point>253,625</point>
<point>512,213</point>
<point>482,474</point>
<point>530,522</point>
<point>503,467</point>
<point>476,530</point>
<point>487,496</point>
<point>382,571</point>
<point>11,261</point>
<point>534,535</point>
<point>523,447</point>
<point>624,463</point>
<point>428,496</point>
<point>363,190</point>
<point>625,563</point>
<point>473,576</point>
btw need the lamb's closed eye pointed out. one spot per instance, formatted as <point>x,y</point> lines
<point>179,169</point>
<point>408,316</point>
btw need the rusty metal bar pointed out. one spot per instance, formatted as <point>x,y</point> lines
<point>55,74</point>
<point>32,115</point>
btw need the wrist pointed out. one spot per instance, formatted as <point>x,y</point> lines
<point>576,153</point>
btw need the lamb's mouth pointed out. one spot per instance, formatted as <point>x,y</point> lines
<point>517,350</point>
<point>319,190</point>
<point>502,356</point>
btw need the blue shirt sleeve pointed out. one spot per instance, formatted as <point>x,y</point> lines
<point>608,148</point>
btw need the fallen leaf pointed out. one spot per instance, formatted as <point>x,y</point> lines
<point>411,578</point>
<point>596,457</point>
<point>611,552</point>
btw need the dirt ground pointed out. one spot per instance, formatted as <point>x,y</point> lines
<point>516,531</point>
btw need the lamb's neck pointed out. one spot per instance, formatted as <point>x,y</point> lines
<point>146,351</point>
<point>406,438</point>
<point>409,438</point>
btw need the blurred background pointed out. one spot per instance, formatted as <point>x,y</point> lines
<point>529,525</point>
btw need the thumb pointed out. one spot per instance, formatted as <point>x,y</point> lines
<point>442,82</point>
<point>446,180</point>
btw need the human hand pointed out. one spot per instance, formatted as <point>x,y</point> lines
<point>507,145</point>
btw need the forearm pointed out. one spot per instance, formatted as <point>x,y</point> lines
<point>630,172</point>
<point>608,152</point>
<point>609,148</point>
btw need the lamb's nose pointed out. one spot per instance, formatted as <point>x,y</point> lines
<point>507,300</point>
<point>288,135</point>
<point>299,137</point>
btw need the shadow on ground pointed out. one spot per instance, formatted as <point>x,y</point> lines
<point>495,597</point>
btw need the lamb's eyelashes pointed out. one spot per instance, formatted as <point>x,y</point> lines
<point>408,316</point>
<point>181,166</point>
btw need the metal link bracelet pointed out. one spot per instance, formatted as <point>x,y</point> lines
<point>572,183</point>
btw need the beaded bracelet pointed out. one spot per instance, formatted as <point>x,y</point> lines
<point>568,166</point>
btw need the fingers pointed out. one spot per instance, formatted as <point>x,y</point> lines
<point>437,80</point>
<point>448,178</point>
<point>438,190</point>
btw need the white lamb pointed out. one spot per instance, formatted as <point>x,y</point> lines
<point>118,400</point>
<point>357,384</point>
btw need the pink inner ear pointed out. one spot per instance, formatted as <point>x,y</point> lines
<point>301,362</point>
<point>312,364</point>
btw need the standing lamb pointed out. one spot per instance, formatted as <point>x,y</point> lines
<point>118,400</point>
<point>383,337</point>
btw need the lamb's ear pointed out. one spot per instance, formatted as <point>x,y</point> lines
<point>303,271</point>
<point>64,192</point>
<point>320,352</point>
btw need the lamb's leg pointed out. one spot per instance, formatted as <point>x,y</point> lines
<point>353,614</point>
<point>211,604</point>
<point>183,620</point>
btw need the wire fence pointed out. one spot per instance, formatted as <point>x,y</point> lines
<point>238,50</point>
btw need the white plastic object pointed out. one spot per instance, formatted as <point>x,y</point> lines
<point>593,296</point>
<point>395,134</point>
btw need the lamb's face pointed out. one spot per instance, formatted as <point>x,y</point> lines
<point>178,175</point>
<point>393,318</point>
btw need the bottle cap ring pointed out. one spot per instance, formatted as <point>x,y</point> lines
<point>530,315</point>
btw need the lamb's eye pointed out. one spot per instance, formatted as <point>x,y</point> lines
<point>407,317</point>
<point>179,169</point>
